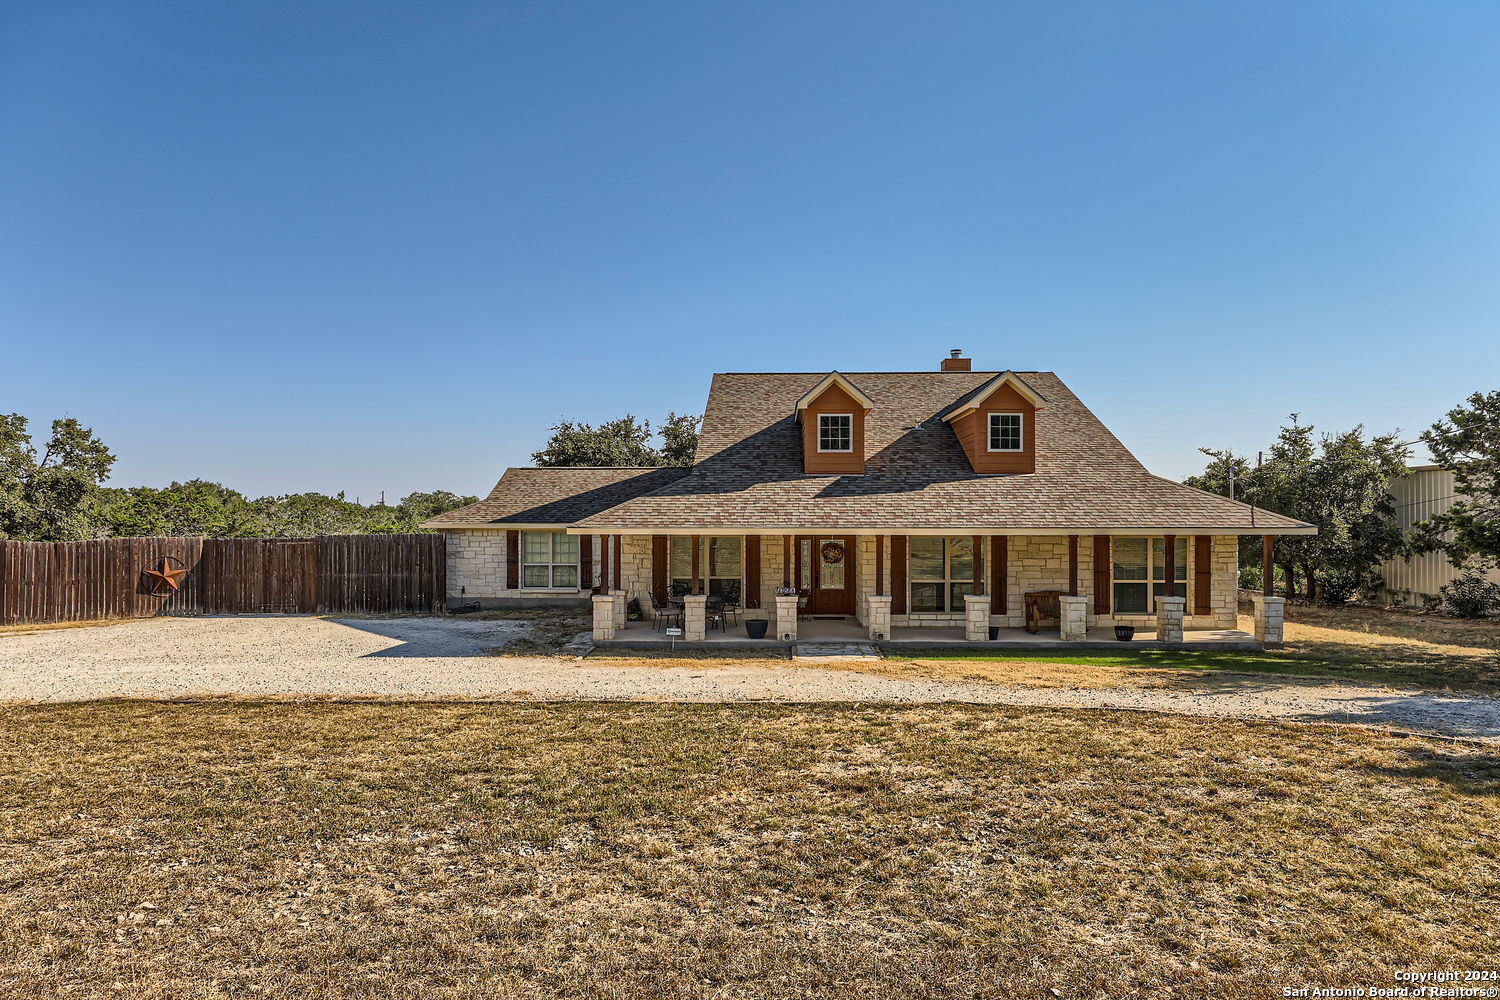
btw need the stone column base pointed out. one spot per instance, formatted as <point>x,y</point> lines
<point>1073,618</point>
<point>1270,619</point>
<point>786,618</point>
<point>1169,611</point>
<point>694,617</point>
<point>604,617</point>
<point>878,617</point>
<point>976,617</point>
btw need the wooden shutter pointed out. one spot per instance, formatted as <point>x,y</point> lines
<point>1203,575</point>
<point>585,562</point>
<point>752,571</point>
<point>512,560</point>
<point>659,567</point>
<point>1101,574</point>
<point>999,574</point>
<point>898,574</point>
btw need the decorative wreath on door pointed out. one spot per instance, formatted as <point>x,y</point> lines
<point>833,553</point>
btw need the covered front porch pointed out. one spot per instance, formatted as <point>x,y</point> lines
<point>927,590</point>
<point>642,635</point>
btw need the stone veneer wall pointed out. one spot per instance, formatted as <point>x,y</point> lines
<point>476,570</point>
<point>1040,562</point>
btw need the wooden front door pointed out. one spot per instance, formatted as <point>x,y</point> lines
<point>825,568</point>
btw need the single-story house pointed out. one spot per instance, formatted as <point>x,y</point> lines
<point>897,500</point>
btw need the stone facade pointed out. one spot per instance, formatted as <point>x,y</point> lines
<point>476,571</point>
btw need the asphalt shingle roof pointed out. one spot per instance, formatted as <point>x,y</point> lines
<point>749,469</point>
<point>556,495</point>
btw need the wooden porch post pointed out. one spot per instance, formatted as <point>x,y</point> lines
<point>879,564</point>
<point>999,591</point>
<point>978,570</point>
<point>1169,544</point>
<point>616,563</point>
<point>1073,565</point>
<point>786,560</point>
<point>603,563</point>
<point>695,564</point>
<point>1267,550</point>
<point>750,548</point>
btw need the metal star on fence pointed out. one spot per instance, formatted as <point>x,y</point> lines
<point>165,575</point>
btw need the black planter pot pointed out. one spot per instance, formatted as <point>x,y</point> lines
<point>755,628</point>
<point>1124,632</point>
<point>994,632</point>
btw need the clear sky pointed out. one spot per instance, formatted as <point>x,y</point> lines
<point>362,246</point>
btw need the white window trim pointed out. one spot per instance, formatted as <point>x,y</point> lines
<point>836,451</point>
<point>551,565</point>
<point>948,578</point>
<point>1151,581</point>
<point>989,431</point>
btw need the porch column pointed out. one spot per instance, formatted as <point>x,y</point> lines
<point>1270,618</point>
<point>880,567</point>
<point>786,617</point>
<point>695,617</point>
<point>1267,567</point>
<point>1169,618</point>
<point>975,545</point>
<point>1169,546</point>
<point>1073,565</point>
<point>976,618</point>
<point>695,538</point>
<point>604,617</point>
<point>1072,618</point>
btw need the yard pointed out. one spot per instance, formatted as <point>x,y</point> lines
<point>621,850</point>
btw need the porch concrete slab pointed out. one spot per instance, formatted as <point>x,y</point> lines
<point>640,634</point>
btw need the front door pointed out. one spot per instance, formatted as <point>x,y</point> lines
<point>825,568</point>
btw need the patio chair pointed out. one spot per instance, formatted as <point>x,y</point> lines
<point>1042,605</point>
<point>713,614</point>
<point>664,616</point>
<point>729,602</point>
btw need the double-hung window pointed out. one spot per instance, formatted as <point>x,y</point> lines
<point>942,572</point>
<point>549,559</point>
<point>719,564</point>
<point>1140,573</point>
<point>1005,431</point>
<point>835,432</point>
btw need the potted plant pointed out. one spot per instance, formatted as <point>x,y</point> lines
<point>755,628</point>
<point>994,632</point>
<point>1124,632</point>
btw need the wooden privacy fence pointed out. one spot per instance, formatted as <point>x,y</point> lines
<point>109,577</point>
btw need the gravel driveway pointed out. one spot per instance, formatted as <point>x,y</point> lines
<point>431,657</point>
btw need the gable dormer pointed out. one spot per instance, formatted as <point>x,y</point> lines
<point>996,424</point>
<point>832,414</point>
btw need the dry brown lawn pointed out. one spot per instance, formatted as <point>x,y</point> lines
<point>590,850</point>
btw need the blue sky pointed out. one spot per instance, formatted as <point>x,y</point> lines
<point>366,246</point>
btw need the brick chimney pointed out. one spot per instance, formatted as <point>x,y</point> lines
<point>956,362</point>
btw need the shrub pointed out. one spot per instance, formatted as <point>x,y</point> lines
<point>1340,586</point>
<point>1470,596</point>
<point>1250,577</point>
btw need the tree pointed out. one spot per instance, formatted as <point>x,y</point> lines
<point>197,507</point>
<point>1339,482</point>
<point>679,435</point>
<point>625,442</point>
<point>415,508</point>
<point>1467,444</point>
<point>300,515</point>
<point>54,497</point>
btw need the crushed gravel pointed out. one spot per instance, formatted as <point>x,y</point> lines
<point>439,658</point>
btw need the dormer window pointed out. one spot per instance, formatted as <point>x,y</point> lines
<point>1005,431</point>
<point>836,432</point>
